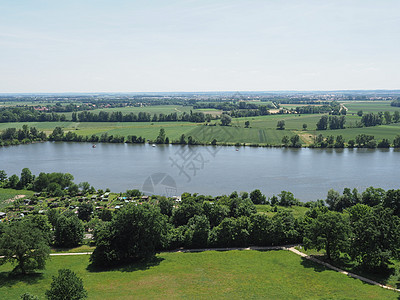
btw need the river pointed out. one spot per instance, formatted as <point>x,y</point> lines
<point>174,169</point>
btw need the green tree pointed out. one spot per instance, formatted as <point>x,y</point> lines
<point>24,245</point>
<point>396,141</point>
<point>351,143</point>
<point>68,231</point>
<point>332,199</point>
<point>284,228</point>
<point>304,126</point>
<point>182,140</point>
<point>85,211</point>
<point>285,141</point>
<point>261,230</point>
<point>197,232</point>
<point>13,181</point>
<point>339,142</point>
<point>231,232</point>
<point>166,206</point>
<point>42,223</point>
<point>322,123</point>
<point>66,286</point>
<point>392,201</point>
<point>134,233</point>
<point>373,196</point>
<point>73,189</point>
<point>185,211</point>
<point>84,186</point>
<point>384,144</point>
<point>161,137</point>
<point>257,197</point>
<point>295,141</point>
<point>225,119</point>
<point>396,116</point>
<point>388,117</point>
<point>329,231</point>
<point>280,125</point>
<point>215,213</point>
<point>52,215</point>
<point>133,193</point>
<point>360,113</point>
<point>375,236</point>
<point>57,134</point>
<point>247,124</point>
<point>287,199</point>
<point>26,178</point>
<point>3,176</point>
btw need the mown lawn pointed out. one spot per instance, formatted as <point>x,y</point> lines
<point>216,275</point>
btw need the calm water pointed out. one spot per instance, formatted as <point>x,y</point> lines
<point>308,173</point>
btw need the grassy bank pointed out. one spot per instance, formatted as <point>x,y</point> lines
<point>233,274</point>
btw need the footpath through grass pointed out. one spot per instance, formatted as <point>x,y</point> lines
<point>232,274</point>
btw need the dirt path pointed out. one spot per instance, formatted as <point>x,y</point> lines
<point>308,138</point>
<point>16,197</point>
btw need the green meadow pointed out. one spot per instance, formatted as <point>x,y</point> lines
<point>262,129</point>
<point>155,109</point>
<point>369,106</point>
<point>297,211</point>
<point>7,194</point>
<point>217,275</point>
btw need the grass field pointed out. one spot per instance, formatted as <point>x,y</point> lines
<point>156,109</point>
<point>298,211</point>
<point>6,194</point>
<point>262,128</point>
<point>369,106</point>
<point>216,275</point>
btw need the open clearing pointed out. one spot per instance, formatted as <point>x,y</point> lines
<point>232,274</point>
<point>7,195</point>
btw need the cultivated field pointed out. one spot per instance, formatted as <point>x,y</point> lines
<point>369,106</point>
<point>262,129</point>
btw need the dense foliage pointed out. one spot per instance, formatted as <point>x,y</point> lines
<point>24,244</point>
<point>66,286</point>
<point>134,233</point>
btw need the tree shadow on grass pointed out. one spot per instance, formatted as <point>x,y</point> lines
<point>141,265</point>
<point>379,275</point>
<point>8,279</point>
<point>311,264</point>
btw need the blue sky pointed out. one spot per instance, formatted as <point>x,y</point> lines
<point>138,46</point>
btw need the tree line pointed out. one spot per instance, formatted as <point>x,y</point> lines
<point>29,114</point>
<point>367,120</point>
<point>364,227</point>
<point>361,141</point>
